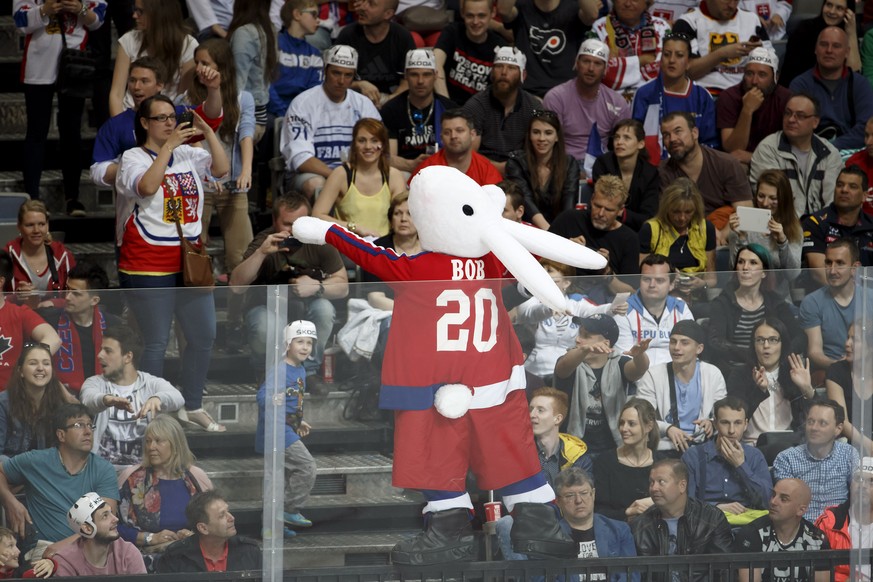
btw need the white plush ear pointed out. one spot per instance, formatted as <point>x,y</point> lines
<point>551,246</point>
<point>310,230</point>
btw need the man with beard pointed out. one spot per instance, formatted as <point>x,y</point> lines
<point>458,132</point>
<point>99,551</point>
<point>810,163</point>
<point>825,314</point>
<point>846,97</point>
<point>721,179</point>
<point>413,118</point>
<point>123,399</point>
<point>751,110</point>
<point>583,103</point>
<point>503,111</point>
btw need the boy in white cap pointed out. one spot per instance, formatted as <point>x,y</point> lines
<point>584,103</point>
<point>504,110</point>
<point>318,124</point>
<point>752,109</point>
<point>413,118</point>
<point>300,337</point>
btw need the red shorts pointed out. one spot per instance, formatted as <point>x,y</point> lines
<point>435,452</point>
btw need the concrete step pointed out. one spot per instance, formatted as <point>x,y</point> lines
<point>314,550</point>
<point>51,189</point>
<point>11,41</point>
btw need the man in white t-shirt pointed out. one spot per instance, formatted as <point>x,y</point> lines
<point>124,399</point>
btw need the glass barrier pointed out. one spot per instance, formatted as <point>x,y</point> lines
<point>383,347</point>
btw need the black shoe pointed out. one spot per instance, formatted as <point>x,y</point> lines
<point>447,537</point>
<point>76,208</point>
<point>536,532</point>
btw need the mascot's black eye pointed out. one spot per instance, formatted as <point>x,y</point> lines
<point>468,210</point>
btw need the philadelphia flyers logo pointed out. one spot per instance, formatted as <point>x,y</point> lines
<point>550,41</point>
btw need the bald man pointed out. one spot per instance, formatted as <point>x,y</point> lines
<point>783,529</point>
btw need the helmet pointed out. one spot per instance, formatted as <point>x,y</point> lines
<point>299,328</point>
<point>82,512</point>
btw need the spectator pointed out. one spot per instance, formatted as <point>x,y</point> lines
<point>727,473</point>
<point>332,17</point>
<point>211,18</point>
<point>465,52</point>
<point>678,524</point>
<point>414,118</point>
<point>823,463</point>
<point>514,208</point>
<point>116,136</point>
<point>680,226</point>
<point>80,324</point>
<point>316,275</point>
<point>599,228</point>
<point>166,188</point>
<point>9,554</point>
<point>555,332</point>
<point>28,403</point>
<point>587,108</point>
<point>549,34</point>
<point>253,43</point>
<point>548,177</point>
<point>159,33</point>
<point>53,480</point>
<point>784,521</point>
<point>299,65</point>
<point>318,123</point>
<point>622,475</point>
<point>752,109</point>
<point>458,132</point>
<point>20,325</point>
<point>845,97</point>
<point>774,385</point>
<point>852,518</point>
<point>557,451</point>
<point>300,337</point>
<point>841,219</point>
<point>864,158</point>
<point>123,399</point>
<point>357,193</point>
<point>382,45</point>
<point>825,313</point>
<point>504,111</point>
<point>686,420</point>
<point>845,391</point>
<point>718,66</point>
<point>744,302</point>
<point>598,379</point>
<point>721,179</point>
<point>629,160</point>
<point>99,549</point>
<point>40,265</point>
<point>672,91</point>
<point>800,53</point>
<point>652,311</point>
<point>215,547</point>
<point>153,492</point>
<point>784,237</point>
<point>39,21</point>
<point>635,38</point>
<point>773,15</point>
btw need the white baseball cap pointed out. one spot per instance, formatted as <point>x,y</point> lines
<point>420,59</point>
<point>510,56</point>
<point>594,48</point>
<point>764,56</point>
<point>342,55</point>
<point>300,328</point>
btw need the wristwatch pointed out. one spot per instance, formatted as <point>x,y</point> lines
<point>84,9</point>
<point>352,227</point>
<point>148,539</point>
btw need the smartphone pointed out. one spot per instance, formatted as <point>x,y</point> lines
<point>754,38</point>
<point>287,243</point>
<point>185,117</point>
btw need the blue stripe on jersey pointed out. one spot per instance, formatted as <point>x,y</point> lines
<point>525,485</point>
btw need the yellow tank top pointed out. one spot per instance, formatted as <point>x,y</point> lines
<point>663,239</point>
<point>371,212</point>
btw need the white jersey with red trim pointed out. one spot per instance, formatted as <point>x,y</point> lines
<point>623,71</point>
<point>449,325</point>
<point>638,324</point>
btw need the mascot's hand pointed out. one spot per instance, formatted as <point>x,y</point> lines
<point>310,230</point>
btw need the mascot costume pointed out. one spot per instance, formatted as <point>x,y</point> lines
<point>453,369</point>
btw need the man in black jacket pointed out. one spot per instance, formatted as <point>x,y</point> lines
<point>677,524</point>
<point>214,547</point>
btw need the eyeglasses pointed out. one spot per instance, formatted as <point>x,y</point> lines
<point>81,425</point>
<point>773,340</point>
<point>578,495</point>
<point>163,118</point>
<point>799,115</point>
<point>547,113</point>
<point>28,345</point>
<point>677,36</point>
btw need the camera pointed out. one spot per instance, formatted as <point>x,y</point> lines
<point>185,117</point>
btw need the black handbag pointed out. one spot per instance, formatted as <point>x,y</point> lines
<point>76,70</point>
